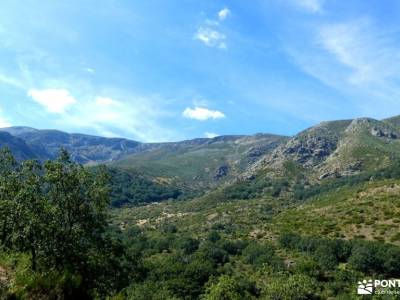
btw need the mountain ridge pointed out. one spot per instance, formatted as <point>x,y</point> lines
<point>328,149</point>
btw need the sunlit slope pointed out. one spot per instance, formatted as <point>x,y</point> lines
<point>368,211</point>
<point>201,162</point>
<point>338,148</point>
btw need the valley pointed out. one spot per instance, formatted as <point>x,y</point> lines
<point>248,216</point>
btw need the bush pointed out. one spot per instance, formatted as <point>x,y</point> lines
<point>259,254</point>
<point>365,256</point>
<point>229,288</point>
<point>296,287</point>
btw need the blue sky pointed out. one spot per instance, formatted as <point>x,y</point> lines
<point>160,70</point>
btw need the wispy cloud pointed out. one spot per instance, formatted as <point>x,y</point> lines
<point>370,56</point>
<point>224,13</point>
<point>359,59</point>
<point>123,114</point>
<point>312,6</point>
<point>210,135</point>
<point>113,113</point>
<point>12,81</point>
<point>210,32</point>
<point>53,100</point>
<point>211,37</point>
<point>3,121</point>
<point>202,114</point>
<point>105,101</point>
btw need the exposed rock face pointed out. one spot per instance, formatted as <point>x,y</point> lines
<point>336,149</point>
<point>311,146</point>
<point>221,171</point>
<point>256,152</point>
<point>383,133</point>
<point>350,169</point>
<point>309,151</point>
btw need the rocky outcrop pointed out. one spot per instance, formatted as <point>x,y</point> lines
<point>309,151</point>
<point>383,133</point>
<point>311,146</point>
<point>221,171</point>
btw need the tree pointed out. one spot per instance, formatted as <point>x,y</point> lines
<point>294,287</point>
<point>326,257</point>
<point>259,254</point>
<point>78,200</point>
<point>9,184</point>
<point>364,257</point>
<point>30,213</point>
<point>56,212</point>
<point>228,288</point>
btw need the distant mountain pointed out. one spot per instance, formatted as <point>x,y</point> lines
<point>329,149</point>
<point>18,146</point>
<point>191,164</point>
<point>86,149</point>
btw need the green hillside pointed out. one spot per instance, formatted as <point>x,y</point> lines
<point>201,163</point>
<point>334,234</point>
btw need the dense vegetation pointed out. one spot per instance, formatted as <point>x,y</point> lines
<point>372,258</point>
<point>58,240</point>
<point>129,188</point>
<point>54,216</point>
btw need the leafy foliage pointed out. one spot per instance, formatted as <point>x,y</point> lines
<point>369,257</point>
<point>129,188</point>
<point>57,212</point>
<point>57,240</point>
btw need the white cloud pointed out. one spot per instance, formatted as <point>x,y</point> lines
<point>210,135</point>
<point>120,114</point>
<point>313,6</point>
<point>105,101</point>
<point>209,32</point>
<point>3,121</point>
<point>53,100</point>
<point>202,114</point>
<point>109,134</point>
<point>223,14</point>
<point>211,37</point>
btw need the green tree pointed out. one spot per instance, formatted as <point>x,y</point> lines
<point>259,254</point>
<point>9,186</point>
<point>78,200</point>
<point>30,213</point>
<point>56,212</point>
<point>227,288</point>
<point>295,287</point>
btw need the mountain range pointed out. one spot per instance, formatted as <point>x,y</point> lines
<point>329,149</point>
